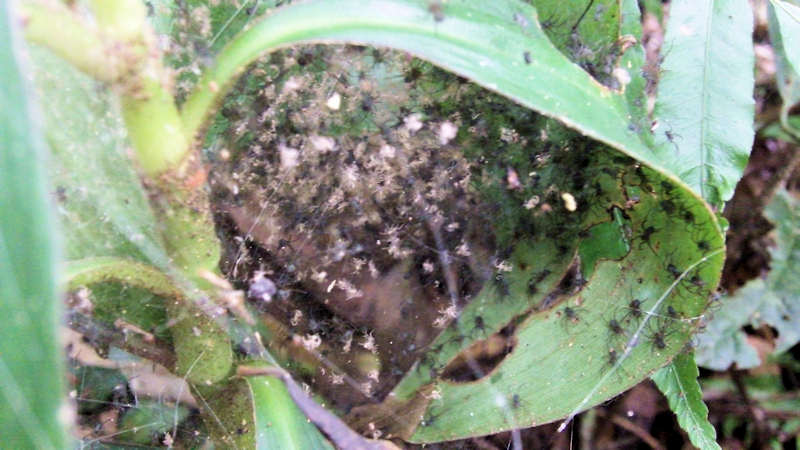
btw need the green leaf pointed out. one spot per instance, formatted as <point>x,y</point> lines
<point>784,32</point>
<point>784,276</point>
<point>110,231</point>
<point>102,206</point>
<point>632,63</point>
<point>106,212</point>
<point>565,349</point>
<point>31,373</point>
<point>485,42</point>
<point>663,255</point>
<point>125,289</point>
<point>723,342</point>
<point>774,301</point>
<point>146,422</point>
<point>678,382</point>
<point>776,130</point>
<point>279,423</point>
<point>705,100</point>
<point>788,22</point>
<point>258,412</point>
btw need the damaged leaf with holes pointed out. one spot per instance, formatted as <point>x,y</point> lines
<point>394,236</point>
<point>433,259</point>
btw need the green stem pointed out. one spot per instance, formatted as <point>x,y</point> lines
<point>154,127</point>
<point>54,26</point>
<point>121,19</point>
<point>122,51</point>
<point>105,269</point>
<point>202,346</point>
<point>148,108</point>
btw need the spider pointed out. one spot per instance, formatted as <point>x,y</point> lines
<point>571,314</point>
<point>532,289</point>
<point>429,420</point>
<point>613,356</point>
<point>645,237</point>
<point>634,310</point>
<point>615,328</point>
<point>480,325</point>
<point>501,284</point>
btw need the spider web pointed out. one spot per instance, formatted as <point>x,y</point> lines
<point>337,178</point>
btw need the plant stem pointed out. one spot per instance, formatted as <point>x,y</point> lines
<point>169,168</point>
<point>54,26</point>
<point>154,127</point>
<point>121,19</point>
<point>132,273</point>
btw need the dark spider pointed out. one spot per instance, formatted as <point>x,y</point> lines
<point>659,340</point>
<point>480,324</point>
<point>532,289</point>
<point>646,235</point>
<point>615,327</point>
<point>668,206</point>
<point>501,285</point>
<point>634,310</point>
<point>435,8</point>
<point>428,421</point>
<point>613,357</point>
<point>571,314</point>
<point>674,271</point>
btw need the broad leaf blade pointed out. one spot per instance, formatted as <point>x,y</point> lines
<point>784,276</point>
<point>705,101</point>
<point>102,206</point>
<point>788,17</point>
<point>674,248</point>
<point>31,376</point>
<point>678,382</point>
<point>258,412</point>
<point>486,42</point>
<point>723,342</point>
<point>784,32</point>
<point>774,301</point>
<point>279,422</point>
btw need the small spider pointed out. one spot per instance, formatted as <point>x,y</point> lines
<point>615,328</point>
<point>671,312</point>
<point>634,310</point>
<point>659,340</point>
<point>668,206</point>
<point>646,235</point>
<point>435,8</point>
<point>501,284</point>
<point>674,271</point>
<point>571,314</point>
<point>535,280</point>
<point>480,325</point>
<point>613,356</point>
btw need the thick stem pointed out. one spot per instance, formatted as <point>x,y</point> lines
<point>54,26</point>
<point>202,345</point>
<point>154,127</point>
<point>121,19</point>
